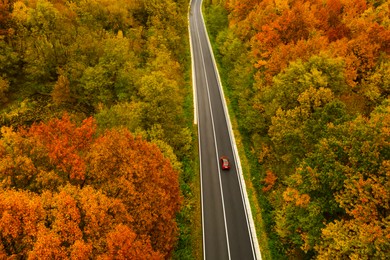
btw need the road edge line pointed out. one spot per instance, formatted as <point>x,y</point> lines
<point>214,134</point>
<point>194,97</point>
<point>233,142</point>
<point>195,103</point>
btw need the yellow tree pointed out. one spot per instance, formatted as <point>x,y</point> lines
<point>346,178</point>
<point>364,231</point>
<point>21,217</point>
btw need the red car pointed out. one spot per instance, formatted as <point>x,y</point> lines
<point>225,164</point>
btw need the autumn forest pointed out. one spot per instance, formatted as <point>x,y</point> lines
<point>308,82</point>
<point>97,144</point>
<point>94,136</point>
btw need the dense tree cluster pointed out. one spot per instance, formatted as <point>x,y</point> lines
<point>67,193</point>
<point>96,57</point>
<point>310,81</point>
<point>78,188</point>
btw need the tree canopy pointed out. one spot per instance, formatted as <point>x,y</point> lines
<point>309,84</point>
<point>93,127</point>
<point>66,192</point>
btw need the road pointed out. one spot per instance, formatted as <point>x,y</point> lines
<point>226,232</point>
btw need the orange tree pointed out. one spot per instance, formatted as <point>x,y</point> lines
<point>66,192</point>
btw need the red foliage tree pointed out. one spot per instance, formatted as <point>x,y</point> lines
<point>122,245</point>
<point>113,196</point>
<point>136,172</point>
<point>64,143</point>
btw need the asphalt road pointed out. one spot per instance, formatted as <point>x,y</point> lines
<point>226,232</point>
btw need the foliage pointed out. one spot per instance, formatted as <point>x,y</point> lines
<point>219,19</point>
<point>116,152</point>
<point>309,80</point>
<point>346,181</point>
<point>83,190</point>
<point>4,86</point>
<point>87,56</point>
<point>121,62</point>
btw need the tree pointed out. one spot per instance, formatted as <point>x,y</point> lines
<point>9,59</point>
<point>295,132</point>
<point>108,81</point>
<point>317,67</point>
<point>87,57</point>
<point>363,231</point>
<point>64,143</point>
<point>4,86</point>
<point>21,217</point>
<point>122,244</point>
<point>360,59</point>
<point>283,54</point>
<point>345,178</point>
<point>219,20</point>
<point>376,85</point>
<point>317,72</point>
<point>240,9</point>
<point>83,219</point>
<point>87,186</point>
<point>71,223</point>
<point>161,109</point>
<point>141,186</point>
<point>47,246</point>
<point>6,7</point>
<point>61,91</point>
<point>41,53</point>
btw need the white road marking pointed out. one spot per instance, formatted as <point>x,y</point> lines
<point>244,195</point>
<point>216,151</point>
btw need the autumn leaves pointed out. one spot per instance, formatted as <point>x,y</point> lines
<point>309,81</point>
<point>67,193</point>
<point>88,187</point>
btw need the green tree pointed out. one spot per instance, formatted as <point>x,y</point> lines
<point>295,132</point>
<point>318,71</point>
<point>375,87</point>
<point>9,61</point>
<point>41,54</point>
<point>292,109</point>
<point>219,17</point>
<point>346,181</point>
<point>365,196</point>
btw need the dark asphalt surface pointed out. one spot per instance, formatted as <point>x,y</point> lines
<point>226,234</point>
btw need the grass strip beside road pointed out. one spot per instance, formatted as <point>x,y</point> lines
<point>248,162</point>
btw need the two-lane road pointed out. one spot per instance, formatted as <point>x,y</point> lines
<point>226,231</point>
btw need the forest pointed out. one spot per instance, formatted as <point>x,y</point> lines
<point>95,134</point>
<point>308,81</point>
<point>96,138</point>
